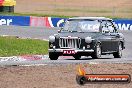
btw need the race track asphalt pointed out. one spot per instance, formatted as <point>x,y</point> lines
<point>44,33</point>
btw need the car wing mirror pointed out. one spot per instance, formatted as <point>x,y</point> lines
<point>60,30</point>
<point>118,36</point>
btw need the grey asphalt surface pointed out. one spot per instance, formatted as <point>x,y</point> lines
<point>27,32</point>
<point>44,33</point>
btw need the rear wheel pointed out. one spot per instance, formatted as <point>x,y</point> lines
<point>97,52</point>
<point>118,54</point>
<point>53,56</point>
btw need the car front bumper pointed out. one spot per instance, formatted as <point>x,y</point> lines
<point>76,50</point>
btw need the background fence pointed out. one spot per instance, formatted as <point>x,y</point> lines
<point>123,24</point>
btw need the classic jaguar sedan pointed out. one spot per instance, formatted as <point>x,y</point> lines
<point>87,36</point>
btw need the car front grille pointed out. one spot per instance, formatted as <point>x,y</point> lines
<point>66,42</point>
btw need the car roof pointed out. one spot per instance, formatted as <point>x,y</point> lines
<point>90,18</point>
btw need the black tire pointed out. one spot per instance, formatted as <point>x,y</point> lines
<point>81,80</point>
<point>77,57</point>
<point>53,56</point>
<point>97,52</point>
<point>118,54</point>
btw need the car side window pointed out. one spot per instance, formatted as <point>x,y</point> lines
<point>110,26</point>
<point>104,26</point>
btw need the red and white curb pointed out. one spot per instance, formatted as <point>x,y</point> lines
<point>13,58</point>
<point>24,58</point>
<point>30,58</point>
<point>34,57</point>
<point>24,37</point>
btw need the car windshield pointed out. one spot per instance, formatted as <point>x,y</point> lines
<point>82,26</point>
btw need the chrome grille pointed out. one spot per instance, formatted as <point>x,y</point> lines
<point>69,42</point>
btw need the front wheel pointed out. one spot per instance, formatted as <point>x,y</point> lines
<point>97,52</point>
<point>118,54</point>
<point>53,56</point>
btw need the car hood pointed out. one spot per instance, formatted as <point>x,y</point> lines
<point>80,35</point>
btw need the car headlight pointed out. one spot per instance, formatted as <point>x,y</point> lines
<point>88,40</point>
<point>51,39</point>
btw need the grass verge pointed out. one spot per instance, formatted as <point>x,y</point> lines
<point>11,46</point>
<point>51,15</point>
<point>33,14</point>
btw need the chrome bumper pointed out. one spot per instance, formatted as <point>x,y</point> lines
<point>76,51</point>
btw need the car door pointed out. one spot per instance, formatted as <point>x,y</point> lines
<point>106,37</point>
<point>113,35</point>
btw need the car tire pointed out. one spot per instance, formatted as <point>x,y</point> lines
<point>118,54</point>
<point>53,56</point>
<point>97,52</point>
<point>77,57</point>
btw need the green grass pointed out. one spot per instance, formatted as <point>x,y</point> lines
<point>51,15</point>
<point>33,14</point>
<point>11,46</point>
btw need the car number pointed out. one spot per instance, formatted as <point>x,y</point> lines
<point>68,51</point>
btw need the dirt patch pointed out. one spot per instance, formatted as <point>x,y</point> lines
<point>119,8</point>
<point>58,76</point>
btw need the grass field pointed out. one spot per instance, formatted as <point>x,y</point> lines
<point>109,8</point>
<point>11,46</point>
<point>33,14</point>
